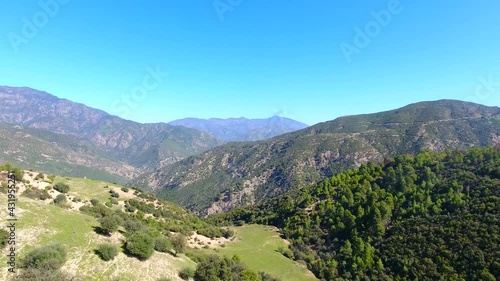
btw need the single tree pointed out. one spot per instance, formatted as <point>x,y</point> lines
<point>179,244</point>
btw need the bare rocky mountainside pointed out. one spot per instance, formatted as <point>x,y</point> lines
<point>242,129</point>
<point>59,154</point>
<point>141,146</point>
<point>237,174</point>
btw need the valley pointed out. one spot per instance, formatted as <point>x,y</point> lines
<point>233,140</point>
<point>41,222</point>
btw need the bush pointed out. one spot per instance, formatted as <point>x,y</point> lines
<point>110,224</point>
<point>227,233</point>
<point>164,279</point>
<point>32,274</point>
<point>98,211</point>
<point>51,257</point>
<point>107,252</point>
<point>186,273</point>
<point>267,277</point>
<point>113,201</point>
<point>130,208</point>
<point>108,204</point>
<point>4,238</point>
<point>62,187</point>
<point>114,194</point>
<point>40,176</point>
<point>61,200</point>
<point>18,174</point>
<point>51,178</point>
<point>124,189</point>
<point>162,244</point>
<point>133,225</point>
<point>35,193</point>
<point>94,202</point>
<point>179,244</point>
<point>141,245</point>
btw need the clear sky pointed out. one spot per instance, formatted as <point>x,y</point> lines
<point>156,61</point>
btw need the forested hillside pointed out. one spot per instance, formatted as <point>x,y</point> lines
<point>433,216</point>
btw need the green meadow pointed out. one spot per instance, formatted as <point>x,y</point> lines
<point>257,246</point>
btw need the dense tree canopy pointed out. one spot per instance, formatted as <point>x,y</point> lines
<point>433,216</point>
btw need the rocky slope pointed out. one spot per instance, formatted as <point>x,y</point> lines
<point>144,146</point>
<point>59,154</point>
<point>237,174</point>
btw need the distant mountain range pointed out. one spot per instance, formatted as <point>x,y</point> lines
<point>242,129</point>
<point>236,174</point>
<point>142,146</point>
<point>41,131</point>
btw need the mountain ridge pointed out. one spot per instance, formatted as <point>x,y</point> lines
<point>236,174</point>
<point>144,146</point>
<point>242,129</point>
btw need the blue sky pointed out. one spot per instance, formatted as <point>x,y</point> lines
<point>156,61</point>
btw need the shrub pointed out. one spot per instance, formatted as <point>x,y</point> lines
<point>267,277</point>
<point>186,273</point>
<point>164,279</point>
<point>130,208</point>
<point>4,238</point>
<point>61,200</point>
<point>18,174</point>
<point>62,187</point>
<point>114,194</point>
<point>94,202</point>
<point>108,204</point>
<point>114,201</point>
<point>132,225</point>
<point>48,187</point>
<point>141,245</point>
<point>40,176</point>
<point>51,178</point>
<point>227,233</point>
<point>124,189</point>
<point>35,193</point>
<point>99,211</point>
<point>51,257</point>
<point>32,274</point>
<point>162,244</point>
<point>179,244</point>
<point>110,224</point>
<point>107,252</point>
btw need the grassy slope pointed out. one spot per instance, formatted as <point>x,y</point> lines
<point>257,247</point>
<point>87,189</point>
<point>40,224</point>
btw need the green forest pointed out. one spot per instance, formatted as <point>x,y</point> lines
<point>430,216</point>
